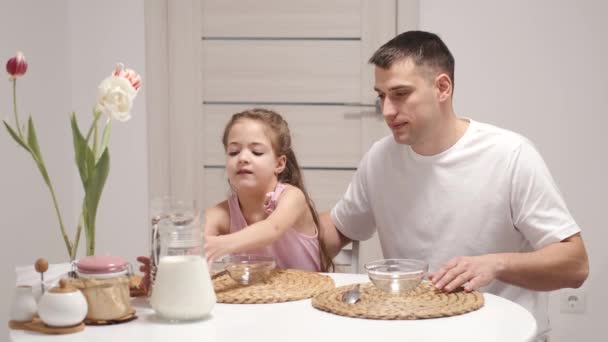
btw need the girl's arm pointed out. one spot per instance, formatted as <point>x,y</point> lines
<point>291,208</point>
<point>217,220</point>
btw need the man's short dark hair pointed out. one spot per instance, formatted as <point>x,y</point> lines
<point>424,48</point>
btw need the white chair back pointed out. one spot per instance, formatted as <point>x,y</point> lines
<point>347,260</point>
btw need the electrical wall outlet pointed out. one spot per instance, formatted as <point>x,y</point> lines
<point>573,301</point>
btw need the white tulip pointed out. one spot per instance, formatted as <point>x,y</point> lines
<point>115,98</point>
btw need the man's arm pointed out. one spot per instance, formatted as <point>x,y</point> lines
<point>558,265</point>
<point>330,235</point>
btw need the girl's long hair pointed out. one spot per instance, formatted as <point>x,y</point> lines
<point>280,137</point>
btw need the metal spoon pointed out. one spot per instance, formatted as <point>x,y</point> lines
<point>352,296</point>
<point>219,274</point>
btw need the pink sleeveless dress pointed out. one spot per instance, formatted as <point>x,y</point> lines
<point>293,249</point>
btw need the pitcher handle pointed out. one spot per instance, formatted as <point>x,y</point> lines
<point>155,251</point>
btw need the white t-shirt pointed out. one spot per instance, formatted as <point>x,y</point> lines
<point>490,192</point>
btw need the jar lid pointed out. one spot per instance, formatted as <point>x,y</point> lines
<point>64,287</point>
<point>97,264</point>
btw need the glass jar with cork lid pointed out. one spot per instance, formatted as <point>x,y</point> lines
<point>104,281</point>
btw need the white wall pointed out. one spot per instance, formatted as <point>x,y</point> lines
<point>70,47</point>
<point>539,68</point>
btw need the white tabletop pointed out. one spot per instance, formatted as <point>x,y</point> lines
<point>498,320</point>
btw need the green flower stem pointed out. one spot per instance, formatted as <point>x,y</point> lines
<point>95,131</point>
<point>15,108</point>
<point>77,237</point>
<point>68,244</point>
<point>42,168</point>
<point>91,240</point>
<point>105,136</point>
<point>96,116</point>
<point>95,138</point>
<point>90,231</point>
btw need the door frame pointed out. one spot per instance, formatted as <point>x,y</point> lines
<point>173,64</point>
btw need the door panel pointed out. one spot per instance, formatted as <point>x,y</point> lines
<point>323,136</point>
<point>285,18</point>
<point>281,71</point>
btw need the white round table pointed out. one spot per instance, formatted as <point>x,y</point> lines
<point>498,320</point>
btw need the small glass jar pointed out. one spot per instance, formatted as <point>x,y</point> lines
<point>104,281</point>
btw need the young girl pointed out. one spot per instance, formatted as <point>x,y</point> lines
<point>269,211</point>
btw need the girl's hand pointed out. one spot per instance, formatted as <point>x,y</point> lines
<point>146,281</point>
<point>216,247</point>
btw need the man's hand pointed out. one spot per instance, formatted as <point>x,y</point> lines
<point>469,272</point>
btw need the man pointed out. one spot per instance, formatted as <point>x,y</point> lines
<point>475,201</point>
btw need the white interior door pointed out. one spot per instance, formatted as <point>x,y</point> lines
<point>305,59</point>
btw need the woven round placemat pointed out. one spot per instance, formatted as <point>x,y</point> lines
<point>423,302</point>
<point>281,286</point>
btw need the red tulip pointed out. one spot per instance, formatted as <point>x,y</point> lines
<point>129,74</point>
<point>16,66</point>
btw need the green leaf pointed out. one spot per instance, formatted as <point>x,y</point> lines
<point>32,139</point>
<point>93,191</point>
<point>32,142</point>
<point>15,136</point>
<point>80,151</point>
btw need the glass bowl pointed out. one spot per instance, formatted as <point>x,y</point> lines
<point>396,276</point>
<point>249,269</point>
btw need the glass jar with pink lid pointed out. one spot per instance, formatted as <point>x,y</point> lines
<point>104,281</point>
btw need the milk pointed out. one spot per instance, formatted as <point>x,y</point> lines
<point>183,289</point>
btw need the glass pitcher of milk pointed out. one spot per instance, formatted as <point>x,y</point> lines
<point>182,289</point>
